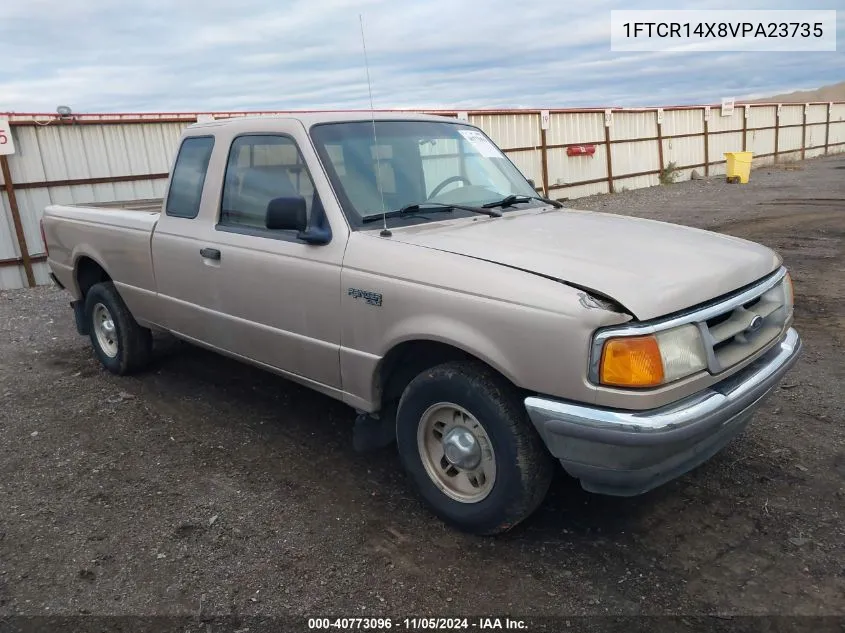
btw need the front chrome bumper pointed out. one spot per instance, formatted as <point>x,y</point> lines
<point>627,453</point>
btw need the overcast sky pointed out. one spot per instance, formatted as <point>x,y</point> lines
<point>198,55</point>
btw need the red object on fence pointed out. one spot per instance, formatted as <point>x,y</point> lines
<point>581,150</point>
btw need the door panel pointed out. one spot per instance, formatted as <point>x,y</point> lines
<point>228,282</point>
<point>277,297</point>
<point>279,303</point>
<point>187,284</point>
<point>186,288</point>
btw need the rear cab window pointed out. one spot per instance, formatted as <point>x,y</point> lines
<point>188,179</point>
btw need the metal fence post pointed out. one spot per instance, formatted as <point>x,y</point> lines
<point>804,131</point>
<point>827,129</point>
<point>16,220</point>
<point>544,158</point>
<point>659,140</point>
<point>777,131</point>
<point>704,114</point>
<point>608,114</point>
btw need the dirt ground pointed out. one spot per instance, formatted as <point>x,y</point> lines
<point>207,487</point>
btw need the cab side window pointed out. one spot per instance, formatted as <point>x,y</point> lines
<point>186,183</point>
<point>259,169</point>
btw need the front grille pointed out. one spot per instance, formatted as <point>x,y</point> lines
<point>742,330</point>
<point>733,328</point>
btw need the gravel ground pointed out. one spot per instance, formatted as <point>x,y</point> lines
<point>205,487</point>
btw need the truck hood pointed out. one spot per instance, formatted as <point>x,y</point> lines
<point>652,268</point>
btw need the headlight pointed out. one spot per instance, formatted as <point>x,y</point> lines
<point>652,360</point>
<point>682,352</point>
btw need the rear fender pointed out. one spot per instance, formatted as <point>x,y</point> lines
<point>80,251</point>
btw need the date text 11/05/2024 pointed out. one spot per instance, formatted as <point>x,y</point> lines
<point>417,624</point>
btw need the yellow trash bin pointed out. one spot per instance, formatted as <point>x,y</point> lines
<point>739,166</point>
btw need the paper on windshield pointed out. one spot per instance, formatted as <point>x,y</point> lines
<point>481,143</point>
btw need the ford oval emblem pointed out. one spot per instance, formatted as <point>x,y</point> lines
<point>756,324</point>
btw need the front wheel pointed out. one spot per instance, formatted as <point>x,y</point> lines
<point>466,442</point>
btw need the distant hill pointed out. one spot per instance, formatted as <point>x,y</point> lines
<point>833,92</point>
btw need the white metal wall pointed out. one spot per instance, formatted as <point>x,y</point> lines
<point>110,146</point>
<point>49,153</point>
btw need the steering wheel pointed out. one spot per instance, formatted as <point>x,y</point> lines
<point>448,181</point>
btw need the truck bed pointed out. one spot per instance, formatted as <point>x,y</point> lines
<point>115,235</point>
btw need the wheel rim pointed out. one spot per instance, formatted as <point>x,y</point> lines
<point>105,330</point>
<point>456,452</point>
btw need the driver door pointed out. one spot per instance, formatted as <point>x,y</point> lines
<point>277,297</point>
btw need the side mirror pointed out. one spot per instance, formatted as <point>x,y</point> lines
<point>287,213</point>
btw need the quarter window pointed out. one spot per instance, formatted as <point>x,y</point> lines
<point>259,169</point>
<point>183,199</point>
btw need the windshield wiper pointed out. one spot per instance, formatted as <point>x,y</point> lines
<point>439,207</point>
<point>419,206</point>
<point>509,201</point>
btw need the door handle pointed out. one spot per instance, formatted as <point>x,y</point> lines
<point>210,253</point>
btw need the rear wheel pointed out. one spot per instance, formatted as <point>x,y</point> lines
<point>119,342</point>
<point>467,443</point>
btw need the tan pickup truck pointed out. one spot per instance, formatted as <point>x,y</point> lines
<point>403,265</point>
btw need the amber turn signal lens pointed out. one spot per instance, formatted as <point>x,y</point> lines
<point>631,361</point>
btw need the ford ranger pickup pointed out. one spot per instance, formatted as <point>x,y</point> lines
<point>402,264</point>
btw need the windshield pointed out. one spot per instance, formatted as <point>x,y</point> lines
<point>416,163</point>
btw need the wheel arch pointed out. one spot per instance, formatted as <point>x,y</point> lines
<point>88,271</point>
<point>407,359</point>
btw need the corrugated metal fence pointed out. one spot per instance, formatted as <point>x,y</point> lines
<point>107,157</point>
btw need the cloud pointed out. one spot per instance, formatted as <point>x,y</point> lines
<point>194,55</point>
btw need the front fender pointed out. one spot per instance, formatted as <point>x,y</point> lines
<point>441,328</point>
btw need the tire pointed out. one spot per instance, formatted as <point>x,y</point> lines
<point>520,465</point>
<point>123,346</point>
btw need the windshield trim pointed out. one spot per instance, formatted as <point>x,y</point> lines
<point>355,220</point>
